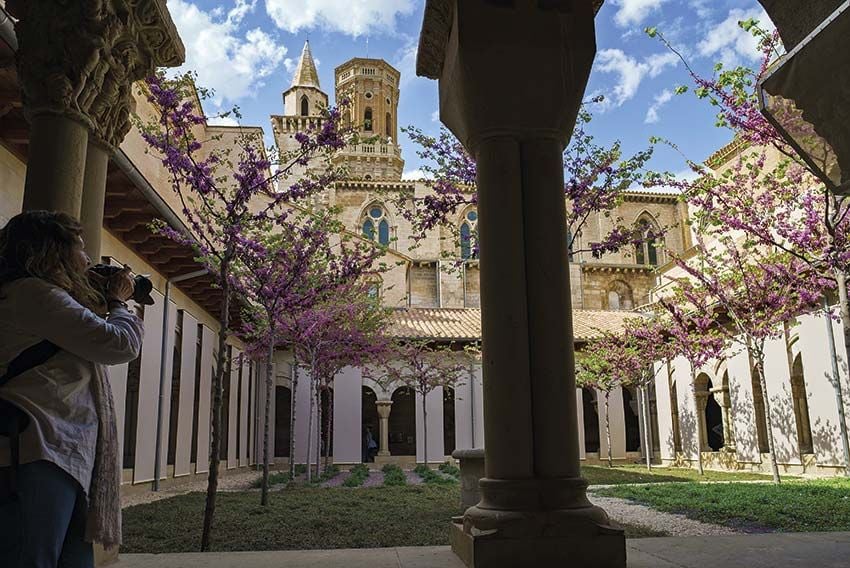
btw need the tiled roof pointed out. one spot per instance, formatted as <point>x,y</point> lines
<point>464,324</point>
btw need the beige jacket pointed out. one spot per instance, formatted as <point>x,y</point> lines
<point>59,395</point>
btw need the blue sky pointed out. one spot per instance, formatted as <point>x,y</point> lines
<point>246,51</point>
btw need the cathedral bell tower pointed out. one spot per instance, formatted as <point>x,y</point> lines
<point>371,88</point>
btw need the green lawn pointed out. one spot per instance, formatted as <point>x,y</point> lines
<point>813,505</point>
<point>601,475</point>
<point>303,518</point>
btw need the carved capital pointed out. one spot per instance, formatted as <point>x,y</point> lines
<point>79,59</point>
<point>384,408</point>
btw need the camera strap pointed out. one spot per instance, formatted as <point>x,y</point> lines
<point>12,419</point>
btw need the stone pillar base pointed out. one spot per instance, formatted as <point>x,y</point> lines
<point>597,546</point>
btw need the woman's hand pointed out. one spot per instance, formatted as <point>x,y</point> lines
<point>120,286</point>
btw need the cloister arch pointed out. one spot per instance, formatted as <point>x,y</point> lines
<point>369,418</point>
<point>758,410</point>
<point>801,406</point>
<point>282,421</point>
<point>402,423</point>
<point>710,414</point>
<point>632,419</point>
<point>590,409</point>
<point>449,440</point>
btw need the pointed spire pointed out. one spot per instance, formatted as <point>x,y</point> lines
<point>306,74</point>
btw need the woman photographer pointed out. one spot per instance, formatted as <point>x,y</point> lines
<point>63,495</point>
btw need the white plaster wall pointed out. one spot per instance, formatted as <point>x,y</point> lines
<point>582,454</point>
<point>347,416</point>
<point>186,410</point>
<point>12,175</point>
<point>743,411</point>
<point>434,407</point>
<point>149,391</point>
<point>166,393</point>
<point>233,410</point>
<point>777,375</point>
<point>688,419</point>
<point>817,369</point>
<point>617,423</point>
<point>478,407</point>
<point>208,338</point>
<point>244,409</point>
<point>118,385</point>
<point>666,442</point>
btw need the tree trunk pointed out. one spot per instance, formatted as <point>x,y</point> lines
<point>767,415</point>
<point>264,493</point>
<point>310,431</point>
<point>215,443</point>
<point>697,419</point>
<point>644,416</point>
<point>319,416</point>
<point>425,430</point>
<point>292,407</point>
<point>844,311</point>
<point>608,428</point>
<point>329,422</point>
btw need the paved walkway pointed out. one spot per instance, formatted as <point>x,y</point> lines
<point>789,550</point>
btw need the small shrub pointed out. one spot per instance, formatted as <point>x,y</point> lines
<point>300,469</point>
<point>393,475</point>
<point>274,479</point>
<point>428,475</point>
<point>330,472</point>
<point>357,476</point>
<point>450,469</point>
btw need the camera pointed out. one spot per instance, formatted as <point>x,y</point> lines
<point>99,276</point>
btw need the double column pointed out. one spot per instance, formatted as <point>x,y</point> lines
<point>384,408</point>
<point>533,509</point>
<point>78,99</point>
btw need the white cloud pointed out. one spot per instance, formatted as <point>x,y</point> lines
<point>633,12</point>
<point>631,72</point>
<point>703,8</point>
<point>659,101</point>
<point>728,42</point>
<point>222,121</point>
<point>229,60</point>
<point>405,61</point>
<point>414,175</point>
<point>352,18</point>
<point>435,116</point>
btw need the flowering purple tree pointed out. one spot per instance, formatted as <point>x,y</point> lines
<point>596,180</point>
<point>750,294</point>
<point>782,205</point>
<point>693,334</point>
<point>226,190</point>
<point>285,268</point>
<point>422,366</point>
<point>598,367</point>
<point>346,329</point>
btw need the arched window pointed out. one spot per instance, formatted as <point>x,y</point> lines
<point>647,251</point>
<point>389,121</point>
<point>620,296</point>
<point>468,232</point>
<point>305,106</point>
<point>376,226</point>
<point>801,406</point>
<point>367,120</point>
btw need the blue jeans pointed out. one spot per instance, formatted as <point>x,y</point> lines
<point>44,526</point>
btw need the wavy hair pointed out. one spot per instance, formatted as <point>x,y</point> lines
<point>40,244</point>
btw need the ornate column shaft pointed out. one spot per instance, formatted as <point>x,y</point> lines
<point>533,509</point>
<point>384,408</point>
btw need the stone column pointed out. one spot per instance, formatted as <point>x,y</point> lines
<point>76,63</point>
<point>384,407</point>
<point>57,157</point>
<point>94,197</point>
<point>533,509</point>
<point>701,403</point>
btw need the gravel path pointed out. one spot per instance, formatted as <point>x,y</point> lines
<point>632,513</point>
<point>240,481</point>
